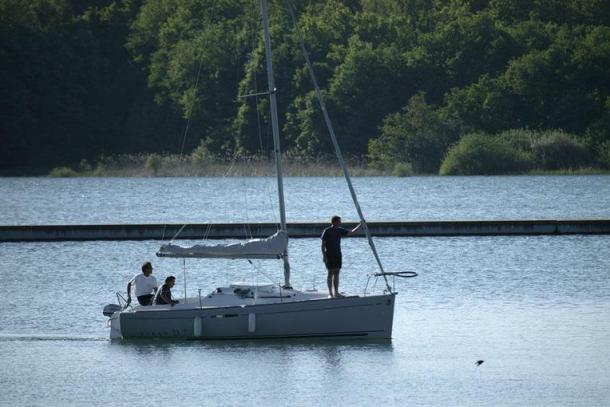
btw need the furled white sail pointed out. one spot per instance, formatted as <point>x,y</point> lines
<point>272,247</point>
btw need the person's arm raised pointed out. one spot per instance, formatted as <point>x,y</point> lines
<point>355,230</point>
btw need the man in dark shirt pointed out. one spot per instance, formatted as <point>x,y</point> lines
<point>331,252</point>
<point>165,295</point>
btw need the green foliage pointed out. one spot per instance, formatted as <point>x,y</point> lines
<point>62,172</point>
<point>531,91</point>
<point>519,139</point>
<point>202,155</point>
<point>419,135</point>
<point>516,151</point>
<point>598,132</point>
<point>70,90</point>
<point>550,149</point>
<point>402,170</point>
<point>84,165</point>
<point>481,154</point>
<point>115,77</point>
<point>558,150</point>
<point>153,162</point>
<point>604,155</point>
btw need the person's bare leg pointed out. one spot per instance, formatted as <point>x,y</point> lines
<point>336,282</point>
<point>329,282</point>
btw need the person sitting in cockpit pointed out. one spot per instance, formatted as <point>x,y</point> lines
<point>165,295</point>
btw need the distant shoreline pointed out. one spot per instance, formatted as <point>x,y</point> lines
<point>299,170</point>
<point>154,165</point>
<point>302,171</point>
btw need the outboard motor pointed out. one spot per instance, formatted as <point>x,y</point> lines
<point>110,309</point>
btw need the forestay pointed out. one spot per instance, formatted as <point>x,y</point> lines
<point>272,247</point>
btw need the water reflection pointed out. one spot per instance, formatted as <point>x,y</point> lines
<point>330,354</point>
<point>14,337</point>
<point>117,200</point>
<point>535,309</point>
<point>259,345</point>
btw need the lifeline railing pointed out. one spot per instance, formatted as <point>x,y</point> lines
<point>393,274</point>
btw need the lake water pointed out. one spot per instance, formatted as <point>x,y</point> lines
<point>535,309</point>
<point>26,201</point>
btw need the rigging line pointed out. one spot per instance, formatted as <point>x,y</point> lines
<point>227,173</point>
<point>247,230</point>
<point>263,145</point>
<point>184,277</point>
<point>255,41</point>
<point>188,120</point>
<point>334,140</point>
<point>258,118</point>
<point>186,130</point>
<point>258,270</point>
<point>178,232</point>
<point>271,204</point>
<point>269,186</point>
<point>207,232</point>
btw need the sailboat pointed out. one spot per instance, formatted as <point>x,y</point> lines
<point>253,311</point>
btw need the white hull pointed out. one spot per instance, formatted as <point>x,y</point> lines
<point>353,316</point>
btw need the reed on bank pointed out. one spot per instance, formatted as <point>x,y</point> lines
<point>171,165</point>
<point>157,165</point>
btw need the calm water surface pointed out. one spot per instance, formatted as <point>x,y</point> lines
<point>535,309</point>
<point>29,201</point>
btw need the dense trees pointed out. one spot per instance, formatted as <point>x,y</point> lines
<point>409,83</point>
<point>70,90</point>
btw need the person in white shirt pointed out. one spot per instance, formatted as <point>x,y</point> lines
<point>146,285</point>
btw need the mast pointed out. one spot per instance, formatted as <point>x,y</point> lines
<point>277,152</point>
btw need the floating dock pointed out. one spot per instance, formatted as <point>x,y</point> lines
<point>42,233</point>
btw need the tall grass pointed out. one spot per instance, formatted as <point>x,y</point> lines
<point>170,165</point>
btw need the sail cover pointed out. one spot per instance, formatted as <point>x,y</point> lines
<point>272,247</point>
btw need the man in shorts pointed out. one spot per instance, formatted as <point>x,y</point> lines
<point>331,252</point>
<point>146,285</point>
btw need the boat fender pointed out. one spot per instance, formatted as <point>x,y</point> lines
<point>197,326</point>
<point>251,322</point>
<point>110,309</point>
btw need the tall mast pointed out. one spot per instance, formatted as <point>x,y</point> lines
<point>276,137</point>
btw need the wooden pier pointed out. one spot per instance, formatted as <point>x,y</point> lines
<point>37,233</point>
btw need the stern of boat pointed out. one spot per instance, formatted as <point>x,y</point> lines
<point>115,326</point>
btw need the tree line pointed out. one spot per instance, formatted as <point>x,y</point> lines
<point>414,86</point>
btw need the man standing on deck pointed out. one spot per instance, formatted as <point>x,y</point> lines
<point>331,252</point>
<point>146,285</point>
